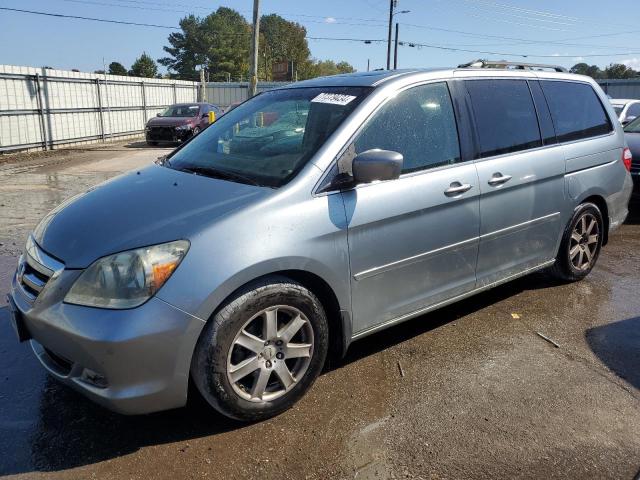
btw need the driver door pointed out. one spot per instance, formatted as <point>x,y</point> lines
<point>413,242</point>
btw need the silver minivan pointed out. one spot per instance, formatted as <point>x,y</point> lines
<point>311,216</point>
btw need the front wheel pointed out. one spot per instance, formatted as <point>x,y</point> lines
<point>262,351</point>
<point>581,244</point>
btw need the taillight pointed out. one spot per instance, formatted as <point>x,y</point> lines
<point>626,158</point>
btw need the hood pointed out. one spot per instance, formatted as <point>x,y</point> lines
<point>151,206</point>
<point>169,121</point>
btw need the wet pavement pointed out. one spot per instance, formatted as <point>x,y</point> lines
<point>469,391</point>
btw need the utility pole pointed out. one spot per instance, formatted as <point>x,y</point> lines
<point>253,82</point>
<point>368,64</point>
<point>392,4</point>
<point>395,53</point>
<point>203,85</point>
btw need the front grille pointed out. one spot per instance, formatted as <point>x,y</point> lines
<point>36,269</point>
<point>161,133</point>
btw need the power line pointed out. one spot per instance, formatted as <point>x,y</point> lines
<point>363,40</point>
<point>77,17</point>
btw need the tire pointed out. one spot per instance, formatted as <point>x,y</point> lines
<point>196,131</point>
<point>152,144</point>
<point>579,249</point>
<point>242,334</point>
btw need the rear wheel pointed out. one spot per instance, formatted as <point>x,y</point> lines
<point>581,244</point>
<point>262,351</point>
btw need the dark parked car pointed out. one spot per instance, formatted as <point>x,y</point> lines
<point>632,135</point>
<point>179,122</point>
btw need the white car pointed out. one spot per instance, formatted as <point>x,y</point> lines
<point>627,109</point>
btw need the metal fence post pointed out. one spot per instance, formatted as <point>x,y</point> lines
<point>144,105</point>
<point>43,128</point>
<point>100,109</point>
<point>175,93</point>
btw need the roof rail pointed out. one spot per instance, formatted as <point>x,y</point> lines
<point>512,65</point>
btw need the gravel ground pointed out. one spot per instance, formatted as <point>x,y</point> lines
<point>469,391</point>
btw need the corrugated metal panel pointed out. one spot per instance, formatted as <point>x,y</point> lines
<point>224,94</point>
<point>621,88</point>
<point>47,108</point>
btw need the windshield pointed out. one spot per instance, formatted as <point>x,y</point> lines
<point>181,111</point>
<point>633,127</point>
<point>268,139</point>
<point>618,109</point>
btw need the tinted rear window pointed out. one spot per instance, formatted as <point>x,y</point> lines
<point>505,116</point>
<point>576,110</point>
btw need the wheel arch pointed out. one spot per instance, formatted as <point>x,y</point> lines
<point>338,317</point>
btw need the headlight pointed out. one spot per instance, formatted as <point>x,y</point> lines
<point>127,279</point>
<point>184,127</point>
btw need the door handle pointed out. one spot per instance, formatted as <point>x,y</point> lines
<point>499,179</point>
<point>456,188</point>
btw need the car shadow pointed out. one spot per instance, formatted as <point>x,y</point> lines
<point>144,144</point>
<point>634,210</point>
<point>617,345</point>
<point>47,426</point>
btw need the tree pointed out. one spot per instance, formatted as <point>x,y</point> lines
<point>220,41</point>
<point>344,67</point>
<point>585,69</point>
<point>613,71</point>
<point>116,68</point>
<point>281,40</point>
<point>144,66</point>
<point>323,68</point>
<point>618,70</point>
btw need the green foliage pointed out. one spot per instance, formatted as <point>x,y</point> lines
<point>116,68</point>
<point>281,40</point>
<point>322,68</point>
<point>221,42</point>
<point>144,66</point>
<point>613,71</point>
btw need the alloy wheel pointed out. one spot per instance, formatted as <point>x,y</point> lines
<point>584,243</point>
<point>270,353</point>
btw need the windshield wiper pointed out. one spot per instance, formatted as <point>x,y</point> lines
<point>222,174</point>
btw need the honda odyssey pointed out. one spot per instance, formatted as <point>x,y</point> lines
<point>311,216</point>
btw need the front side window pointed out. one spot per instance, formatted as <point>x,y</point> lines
<point>267,140</point>
<point>505,116</point>
<point>181,111</point>
<point>633,127</point>
<point>576,110</point>
<point>419,123</point>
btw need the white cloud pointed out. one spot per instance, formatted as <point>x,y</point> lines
<point>578,59</point>
<point>632,63</point>
<point>330,20</point>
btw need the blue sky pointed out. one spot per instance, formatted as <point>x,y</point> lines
<point>565,32</point>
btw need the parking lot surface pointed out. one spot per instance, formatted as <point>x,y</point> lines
<point>469,391</point>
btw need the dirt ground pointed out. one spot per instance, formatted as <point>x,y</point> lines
<point>469,391</point>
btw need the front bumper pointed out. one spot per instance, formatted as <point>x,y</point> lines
<point>167,134</point>
<point>131,361</point>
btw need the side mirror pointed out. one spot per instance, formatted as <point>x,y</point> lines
<point>205,115</point>
<point>629,119</point>
<point>376,164</point>
<point>158,114</point>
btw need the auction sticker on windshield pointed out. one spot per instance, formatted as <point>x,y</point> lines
<point>333,98</point>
